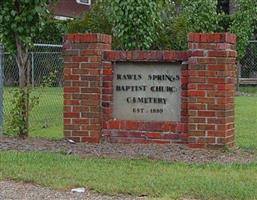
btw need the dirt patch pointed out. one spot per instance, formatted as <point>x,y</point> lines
<point>171,152</point>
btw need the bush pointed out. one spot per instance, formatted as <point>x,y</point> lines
<point>165,24</point>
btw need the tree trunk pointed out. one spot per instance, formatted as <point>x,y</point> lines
<point>22,58</point>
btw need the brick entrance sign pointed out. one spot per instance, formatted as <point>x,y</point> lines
<point>147,97</point>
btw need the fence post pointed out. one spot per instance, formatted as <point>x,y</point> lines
<point>238,76</point>
<point>1,88</point>
<point>32,69</point>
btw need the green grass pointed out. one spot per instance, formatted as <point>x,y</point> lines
<point>246,122</point>
<point>46,119</point>
<point>248,89</point>
<point>135,177</point>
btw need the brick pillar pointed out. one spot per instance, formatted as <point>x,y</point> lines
<point>211,89</point>
<point>82,85</point>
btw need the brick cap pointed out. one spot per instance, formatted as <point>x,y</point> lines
<point>146,56</point>
<point>88,38</point>
<point>212,38</point>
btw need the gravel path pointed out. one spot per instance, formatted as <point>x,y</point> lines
<point>170,152</point>
<point>19,191</point>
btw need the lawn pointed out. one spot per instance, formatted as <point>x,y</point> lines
<point>135,177</point>
<point>246,122</point>
<point>248,89</point>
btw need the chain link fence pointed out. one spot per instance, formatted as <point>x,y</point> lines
<point>1,88</point>
<point>248,65</point>
<point>46,118</point>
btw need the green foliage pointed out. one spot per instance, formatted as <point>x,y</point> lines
<point>48,81</point>
<point>244,22</point>
<point>16,123</point>
<point>202,15</point>
<point>135,23</point>
<point>21,20</point>
<point>97,20</point>
<point>165,24</point>
<point>45,118</point>
<point>52,32</point>
<point>181,17</point>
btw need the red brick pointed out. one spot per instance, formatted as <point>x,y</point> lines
<point>193,79</point>
<point>154,141</point>
<point>67,121</point>
<point>80,133</point>
<point>90,139</point>
<point>206,101</point>
<point>71,115</point>
<point>206,87</point>
<point>153,135</point>
<point>196,106</point>
<point>71,102</point>
<point>216,80</point>
<point>80,121</point>
<point>196,146</point>
<point>132,125</point>
<point>206,113</point>
<point>71,127</point>
<point>197,93</point>
<point>71,77</point>
<point>107,72</point>
<point>217,53</point>
<point>197,133</point>
<point>91,52</point>
<point>114,124</point>
<point>197,120</point>
<point>206,127</point>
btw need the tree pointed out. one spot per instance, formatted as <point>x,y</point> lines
<point>20,22</point>
<point>243,23</point>
<point>135,23</point>
<point>97,20</point>
<point>183,16</point>
<point>165,24</point>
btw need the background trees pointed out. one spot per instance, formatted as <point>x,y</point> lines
<point>149,24</point>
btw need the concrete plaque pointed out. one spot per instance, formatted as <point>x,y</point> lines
<point>147,91</point>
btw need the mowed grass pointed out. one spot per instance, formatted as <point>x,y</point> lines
<point>46,119</point>
<point>248,89</point>
<point>135,177</point>
<point>246,122</point>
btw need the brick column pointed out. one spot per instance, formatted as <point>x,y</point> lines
<point>211,89</point>
<point>82,85</point>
